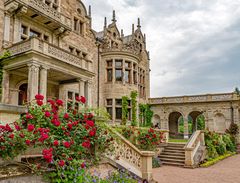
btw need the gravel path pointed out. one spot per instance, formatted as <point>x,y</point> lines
<point>226,171</point>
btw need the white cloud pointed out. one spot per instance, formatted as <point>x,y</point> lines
<point>193,43</point>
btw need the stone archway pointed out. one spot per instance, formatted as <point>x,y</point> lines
<point>173,121</point>
<point>156,121</point>
<point>219,122</point>
<point>196,121</point>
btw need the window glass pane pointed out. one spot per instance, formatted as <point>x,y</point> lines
<point>127,64</point>
<point>109,101</point>
<point>24,30</point>
<point>75,24</point>
<point>70,95</point>
<point>109,110</point>
<point>118,113</point>
<point>109,75</point>
<point>118,63</point>
<point>118,74</point>
<point>127,76</point>
<point>119,102</point>
<point>34,33</point>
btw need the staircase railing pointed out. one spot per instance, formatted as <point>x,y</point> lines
<point>131,158</point>
<point>194,149</point>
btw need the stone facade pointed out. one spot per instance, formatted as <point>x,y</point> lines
<point>219,110</point>
<point>55,52</point>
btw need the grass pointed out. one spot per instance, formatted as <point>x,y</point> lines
<point>178,140</point>
<point>216,160</point>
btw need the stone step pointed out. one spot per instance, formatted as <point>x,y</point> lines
<point>172,156</point>
<point>173,164</point>
<point>175,148</point>
<point>172,160</point>
<point>174,152</point>
<point>175,145</point>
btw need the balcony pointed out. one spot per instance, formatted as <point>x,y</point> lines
<point>35,45</point>
<point>40,12</point>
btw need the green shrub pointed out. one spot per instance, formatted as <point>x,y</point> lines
<point>221,148</point>
<point>156,163</point>
<point>229,143</point>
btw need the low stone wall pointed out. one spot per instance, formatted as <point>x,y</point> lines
<point>10,113</point>
<point>24,179</point>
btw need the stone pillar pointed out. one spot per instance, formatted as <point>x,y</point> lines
<point>5,87</point>
<point>82,88</point>
<point>113,72</point>
<point>7,28</point>
<point>88,92</point>
<point>33,80</point>
<point>235,115</point>
<point>43,82</point>
<point>147,165</point>
<point>113,111</point>
<point>186,131</point>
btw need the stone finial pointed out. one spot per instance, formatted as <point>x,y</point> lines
<point>105,22</point>
<point>139,23</point>
<point>122,34</point>
<point>89,11</point>
<point>114,17</point>
<point>133,29</point>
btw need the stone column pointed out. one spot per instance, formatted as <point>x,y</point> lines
<point>113,72</point>
<point>81,87</point>
<point>88,93</point>
<point>33,80</point>
<point>235,115</point>
<point>5,87</point>
<point>147,165</point>
<point>186,131</point>
<point>43,82</point>
<point>7,28</point>
<point>113,111</point>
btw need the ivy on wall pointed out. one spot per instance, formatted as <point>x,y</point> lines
<point>145,115</point>
<point>124,110</point>
<point>134,95</point>
<point>2,57</point>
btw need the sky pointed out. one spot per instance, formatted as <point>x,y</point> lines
<point>194,44</point>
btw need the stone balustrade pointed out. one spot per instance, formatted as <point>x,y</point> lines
<point>196,98</point>
<point>40,46</point>
<point>131,158</point>
<point>43,9</point>
<point>195,149</point>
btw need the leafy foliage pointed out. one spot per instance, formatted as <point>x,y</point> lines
<point>134,95</point>
<point>124,110</point>
<point>145,115</point>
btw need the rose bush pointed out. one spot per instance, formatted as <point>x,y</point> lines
<point>68,138</point>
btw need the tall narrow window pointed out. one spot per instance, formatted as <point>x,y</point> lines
<point>109,107</point>
<point>127,76</point>
<point>75,24</point>
<point>118,70</point>
<point>109,70</point>
<point>81,24</point>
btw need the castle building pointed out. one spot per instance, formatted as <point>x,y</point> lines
<point>55,52</point>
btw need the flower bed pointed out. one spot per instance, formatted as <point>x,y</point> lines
<point>70,140</point>
<point>143,138</point>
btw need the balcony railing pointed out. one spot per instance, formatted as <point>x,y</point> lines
<point>197,98</point>
<point>42,9</point>
<point>37,45</point>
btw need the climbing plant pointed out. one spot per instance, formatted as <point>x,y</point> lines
<point>134,95</point>
<point>124,110</point>
<point>3,56</point>
<point>145,115</point>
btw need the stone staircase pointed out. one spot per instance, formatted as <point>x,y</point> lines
<point>173,154</point>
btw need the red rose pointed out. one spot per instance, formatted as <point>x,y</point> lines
<point>57,123</point>
<point>90,123</point>
<point>17,127</point>
<point>11,136</point>
<point>86,144</point>
<point>29,116</point>
<point>67,144</point>
<point>70,159</point>
<point>55,143</point>
<point>70,126</point>
<point>90,115</point>
<point>92,133</point>
<point>47,114</point>
<point>21,135</point>
<point>51,102</point>
<point>59,102</point>
<point>28,142</point>
<point>39,97</point>
<point>43,137</point>
<point>47,154</point>
<point>83,99</point>
<point>66,116</point>
<point>61,163</point>
<point>30,127</point>
<point>39,102</point>
<point>151,130</point>
<point>83,165</point>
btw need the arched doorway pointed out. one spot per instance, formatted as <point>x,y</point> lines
<point>22,95</point>
<point>196,121</point>
<point>174,121</point>
<point>220,123</point>
<point>156,121</point>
